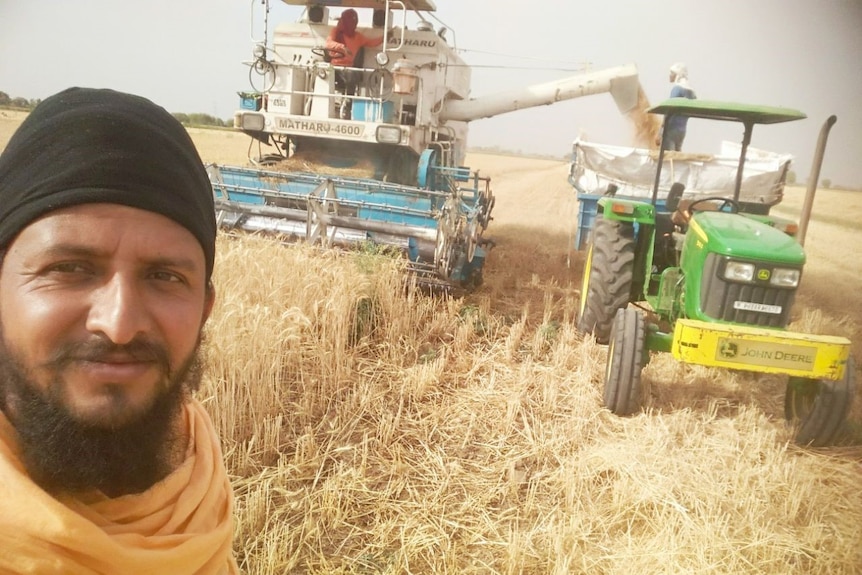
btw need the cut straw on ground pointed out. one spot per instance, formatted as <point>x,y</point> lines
<point>371,429</point>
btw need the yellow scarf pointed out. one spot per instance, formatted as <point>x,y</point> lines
<point>181,525</point>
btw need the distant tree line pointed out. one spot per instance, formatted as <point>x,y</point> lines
<point>7,101</point>
<point>202,120</point>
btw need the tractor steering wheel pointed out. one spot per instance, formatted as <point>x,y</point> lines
<point>327,54</point>
<point>723,203</point>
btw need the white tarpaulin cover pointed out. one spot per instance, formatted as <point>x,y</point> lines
<point>595,166</point>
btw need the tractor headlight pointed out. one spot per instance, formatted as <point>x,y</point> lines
<point>252,122</point>
<point>784,277</point>
<point>388,134</point>
<point>739,272</point>
<point>259,51</point>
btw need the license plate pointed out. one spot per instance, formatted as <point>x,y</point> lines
<point>761,307</point>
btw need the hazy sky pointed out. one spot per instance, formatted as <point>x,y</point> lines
<point>187,55</point>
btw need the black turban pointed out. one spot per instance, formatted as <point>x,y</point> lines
<point>84,146</point>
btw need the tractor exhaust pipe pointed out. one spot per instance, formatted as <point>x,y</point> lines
<point>813,178</point>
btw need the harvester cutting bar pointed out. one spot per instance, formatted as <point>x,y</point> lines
<point>358,197</point>
<point>278,220</point>
<point>428,226</point>
<point>274,202</point>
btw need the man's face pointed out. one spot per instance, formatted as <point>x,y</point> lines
<point>101,308</point>
<point>350,23</point>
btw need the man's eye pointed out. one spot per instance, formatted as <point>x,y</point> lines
<point>166,276</point>
<point>69,268</point>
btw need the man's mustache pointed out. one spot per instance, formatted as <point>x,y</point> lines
<point>101,350</point>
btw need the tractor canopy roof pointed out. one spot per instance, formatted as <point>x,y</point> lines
<point>420,5</point>
<point>730,111</point>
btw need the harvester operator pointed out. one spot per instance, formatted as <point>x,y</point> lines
<point>345,43</point>
<point>108,463</point>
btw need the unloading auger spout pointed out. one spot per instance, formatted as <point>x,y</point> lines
<point>621,82</point>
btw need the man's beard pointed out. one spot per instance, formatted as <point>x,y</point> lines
<point>62,453</point>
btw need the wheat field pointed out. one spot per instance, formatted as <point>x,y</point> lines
<point>371,429</point>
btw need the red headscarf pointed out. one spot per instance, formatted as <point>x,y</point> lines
<point>346,25</point>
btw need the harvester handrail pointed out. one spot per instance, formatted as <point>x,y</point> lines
<point>386,26</point>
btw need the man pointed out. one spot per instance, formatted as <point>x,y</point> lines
<point>344,44</point>
<point>675,126</point>
<point>107,237</point>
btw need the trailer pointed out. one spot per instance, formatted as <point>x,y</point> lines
<point>598,170</point>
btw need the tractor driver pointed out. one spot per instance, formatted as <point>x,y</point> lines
<point>345,44</point>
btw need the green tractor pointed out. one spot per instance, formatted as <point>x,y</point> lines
<point>712,281</point>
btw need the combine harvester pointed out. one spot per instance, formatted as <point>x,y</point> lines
<point>384,164</point>
<point>699,268</point>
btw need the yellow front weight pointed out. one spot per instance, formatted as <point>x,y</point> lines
<point>761,350</point>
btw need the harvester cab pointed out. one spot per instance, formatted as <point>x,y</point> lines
<point>712,279</point>
<point>373,150</point>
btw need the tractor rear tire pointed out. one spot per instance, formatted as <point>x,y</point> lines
<point>608,273</point>
<point>819,407</point>
<point>622,393</point>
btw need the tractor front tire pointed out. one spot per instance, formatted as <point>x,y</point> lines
<point>622,394</point>
<point>818,408</point>
<point>608,273</point>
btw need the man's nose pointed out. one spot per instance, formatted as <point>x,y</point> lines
<point>117,310</point>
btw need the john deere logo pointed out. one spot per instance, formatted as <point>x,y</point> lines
<point>763,275</point>
<point>728,350</point>
<point>765,353</point>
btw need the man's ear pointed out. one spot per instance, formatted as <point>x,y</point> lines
<point>209,301</point>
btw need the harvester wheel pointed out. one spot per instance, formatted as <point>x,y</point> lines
<point>444,253</point>
<point>607,280</point>
<point>622,393</point>
<point>449,236</point>
<point>486,206</point>
<point>472,238</point>
<point>819,407</point>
